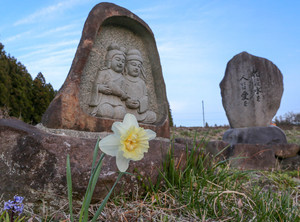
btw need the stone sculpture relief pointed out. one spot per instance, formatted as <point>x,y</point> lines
<point>120,88</point>
<point>107,94</point>
<point>135,88</point>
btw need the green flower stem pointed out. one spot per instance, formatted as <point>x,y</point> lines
<point>90,189</point>
<point>96,150</point>
<point>85,206</point>
<point>95,172</point>
<point>106,198</point>
<point>69,183</point>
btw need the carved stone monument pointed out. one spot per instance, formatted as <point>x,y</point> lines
<point>251,94</point>
<point>251,91</point>
<point>116,70</point>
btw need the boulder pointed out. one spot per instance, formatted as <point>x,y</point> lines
<point>251,91</point>
<point>33,164</point>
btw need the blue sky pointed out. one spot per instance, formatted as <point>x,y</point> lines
<point>195,40</point>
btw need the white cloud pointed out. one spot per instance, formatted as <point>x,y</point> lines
<point>45,49</point>
<point>75,33</point>
<point>15,37</point>
<point>54,65</point>
<point>56,30</point>
<point>178,106</point>
<point>47,11</point>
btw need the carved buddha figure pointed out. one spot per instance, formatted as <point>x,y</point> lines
<point>107,92</point>
<point>135,88</point>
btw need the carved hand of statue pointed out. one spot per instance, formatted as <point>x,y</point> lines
<point>105,89</point>
<point>132,104</point>
<point>124,96</point>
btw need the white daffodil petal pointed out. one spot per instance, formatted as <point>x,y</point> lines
<point>150,134</point>
<point>122,162</point>
<point>118,128</point>
<point>110,145</point>
<point>129,121</point>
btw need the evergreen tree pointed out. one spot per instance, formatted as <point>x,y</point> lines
<point>20,90</point>
<point>5,83</point>
<point>25,98</point>
<point>42,96</point>
<point>171,123</point>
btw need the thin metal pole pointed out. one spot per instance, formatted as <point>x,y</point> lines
<point>203,113</point>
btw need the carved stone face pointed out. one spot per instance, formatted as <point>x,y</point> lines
<point>134,68</point>
<point>118,63</point>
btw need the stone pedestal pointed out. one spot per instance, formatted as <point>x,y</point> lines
<point>255,135</point>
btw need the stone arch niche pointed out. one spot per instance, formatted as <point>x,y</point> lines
<point>108,24</point>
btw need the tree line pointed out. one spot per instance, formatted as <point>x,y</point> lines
<point>289,118</point>
<point>20,95</point>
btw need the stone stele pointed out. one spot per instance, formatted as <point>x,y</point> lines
<point>251,91</point>
<point>116,70</point>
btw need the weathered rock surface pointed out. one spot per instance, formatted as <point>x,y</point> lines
<point>251,91</point>
<point>33,163</point>
<point>221,150</point>
<point>190,143</point>
<point>255,135</point>
<point>243,156</point>
<point>253,156</point>
<point>106,24</point>
<point>292,163</point>
<point>286,150</point>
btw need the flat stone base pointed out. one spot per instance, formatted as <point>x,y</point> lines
<point>255,135</point>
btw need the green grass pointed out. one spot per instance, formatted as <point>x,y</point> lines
<point>293,136</point>
<point>218,192</point>
<point>206,190</point>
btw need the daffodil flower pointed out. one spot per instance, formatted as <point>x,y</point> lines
<point>128,142</point>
